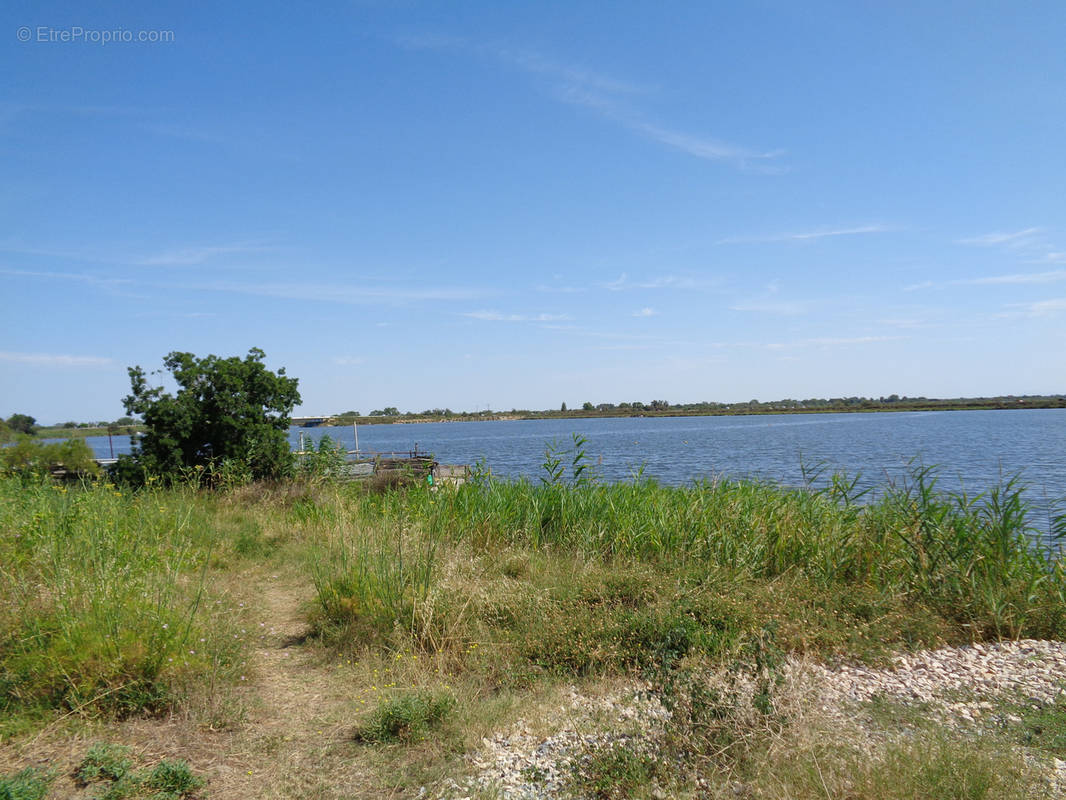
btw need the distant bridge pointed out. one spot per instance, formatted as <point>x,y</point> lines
<point>310,422</point>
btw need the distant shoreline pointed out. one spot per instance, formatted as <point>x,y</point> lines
<point>734,410</point>
<point>1020,405</point>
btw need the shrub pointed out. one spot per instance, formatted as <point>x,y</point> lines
<point>406,717</point>
<point>30,457</point>
<point>104,761</point>
<point>173,779</point>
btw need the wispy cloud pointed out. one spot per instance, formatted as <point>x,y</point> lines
<point>1042,308</point>
<point>904,322</point>
<point>1053,258</point>
<point>782,308</point>
<point>175,314</point>
<point>624,347</point>
<point>914,287</point>
<point>80,277</point>
<point>623,337</point>
<point>567,74</point>
<point>807,236</point>
<point>326,293</point>
<point>1032,277</point>
<point>80,254</point>
<point>191,256</point>
<point>830,341</point>
<point>185,132</point>
<point>623,282</point>
<point>496,316</point>
<point>55,360</point>
<point>347,295</point>
<point>699,146</point>
<point>562,289</point>
<point>645,312</point>
<point>1014,239</point>
<point>122,256</point>
<point>607,96</point>
<point>1016,278</point>
<point>10,112</point>
<point>1033,243</point>
<point>1030,243</point>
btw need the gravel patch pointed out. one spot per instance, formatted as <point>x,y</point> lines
<point>964,687</point>
<point>525,765</point>
<point>957,681</point>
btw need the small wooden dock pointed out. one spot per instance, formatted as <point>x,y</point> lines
<point>402,465</point>
<point>363,465</point>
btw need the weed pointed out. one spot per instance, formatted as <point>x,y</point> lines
<point>172,779</point>
<point>29,784</point>
<point>324,463</point>
<point>1043,728</point>
<point>406,717</point>
<point>613,771</point>
<point>104,761</point>
<point>109,767</point>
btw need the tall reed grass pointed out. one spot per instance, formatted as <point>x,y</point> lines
<point>102,604</point>
<point>371,580</point>
<point>977,561</point>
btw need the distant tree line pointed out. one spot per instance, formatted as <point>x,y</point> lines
<point>787,405</point>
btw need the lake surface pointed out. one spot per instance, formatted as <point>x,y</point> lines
<point>972,449</point>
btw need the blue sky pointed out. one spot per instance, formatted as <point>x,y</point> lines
<point>515,205</point>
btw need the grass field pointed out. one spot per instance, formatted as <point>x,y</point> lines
<point>315,639</point>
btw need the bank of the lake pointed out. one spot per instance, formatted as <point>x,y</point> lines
<point>380,638</point>
<point>860,406</point>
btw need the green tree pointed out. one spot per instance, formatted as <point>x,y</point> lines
<point>563,407</point>
<point>227,413</point>
<point>22,423</point>
<point>588,406</point>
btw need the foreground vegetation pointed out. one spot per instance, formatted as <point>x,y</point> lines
<point>436,617</point>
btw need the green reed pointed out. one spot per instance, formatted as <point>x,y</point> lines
<point>974,559</point>
<point>102,598</point>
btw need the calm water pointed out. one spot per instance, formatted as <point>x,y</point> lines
<point>972,448</point>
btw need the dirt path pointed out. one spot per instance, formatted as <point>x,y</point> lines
<point>294,741</point>
<point>297,738</point>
